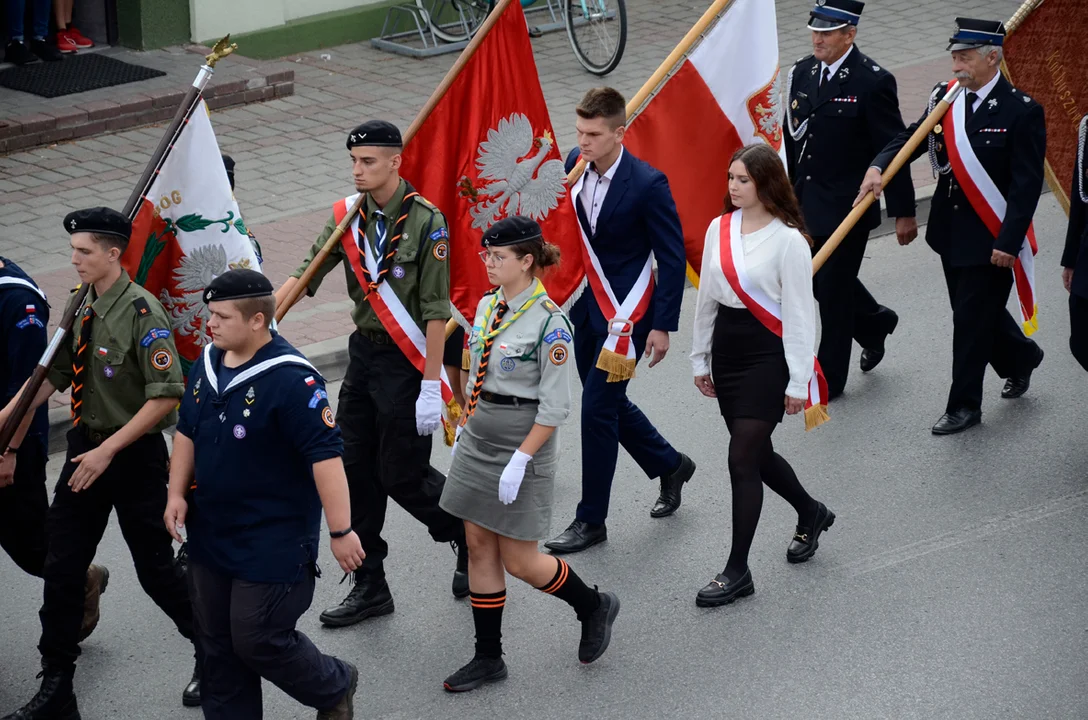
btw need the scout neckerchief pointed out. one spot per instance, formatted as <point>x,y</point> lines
<point>485,338</point>
<point>392,314</point>
<point>617,357</point>
<point>766,310</point>
<point>500,307</point>
<point>78,363</point>
<point>989,204</point>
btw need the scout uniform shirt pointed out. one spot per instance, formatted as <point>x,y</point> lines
<point>257,430</point>
<point>530,359</point>
<point>419,274</point>
<point>24,316</point>
<point>129,360</point>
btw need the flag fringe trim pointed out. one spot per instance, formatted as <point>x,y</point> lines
<point>816,416</point>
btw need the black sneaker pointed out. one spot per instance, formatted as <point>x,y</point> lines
<point>479,670</point>
<point>54,701</point>
<point>45,51</point>
<point>597,628</point>
<point>18,53</point>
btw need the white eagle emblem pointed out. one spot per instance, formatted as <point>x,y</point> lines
<point>514,179</point>
<point>188,313</point>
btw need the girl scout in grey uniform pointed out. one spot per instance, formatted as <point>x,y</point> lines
<point>503,471</point>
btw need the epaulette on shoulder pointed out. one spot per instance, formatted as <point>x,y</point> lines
<point>424,202</point>
<point>75,289</point>
<point>871,66</point>
<point>142,308</point>
<point>1023,97</point>
<point>551,307</point>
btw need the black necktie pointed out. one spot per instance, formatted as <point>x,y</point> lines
<point>970,110</point>
<point>825,77</point>
<point>78,376</point>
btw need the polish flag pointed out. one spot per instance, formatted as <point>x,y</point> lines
<point>726,94</point>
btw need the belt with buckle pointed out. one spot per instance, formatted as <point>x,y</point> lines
<point>498,399</point>
<point>377,337</point>
<point>96,436</point>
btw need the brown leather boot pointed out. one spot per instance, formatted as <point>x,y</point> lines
<point>98,577</point>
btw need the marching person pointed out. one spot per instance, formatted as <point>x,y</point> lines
<point>394,256</point>
<point>752,350</point>
<point>126,380</point>
<point>842,110</point>
<point>502,478</point>
<point>980,219</point>
<point>628,221</point>
<point>24,504</point>
<point>257,443</point>
<point>1075,256</point>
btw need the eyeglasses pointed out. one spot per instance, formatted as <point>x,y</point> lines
<point>492,259</point>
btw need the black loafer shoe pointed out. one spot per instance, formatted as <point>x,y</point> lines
<point>672,484</point>
<point>369,597</point>
<point>578,537</point>
<point>597,628</point>
<point>720,591</point>
<point>870,358</point>
<point>807,538</point>
<point>956,422</point>
<point>479,670</point>
<point>1018,385</point>
<point>190,696</point>
<point>345,708</point>
<point>460,574</point>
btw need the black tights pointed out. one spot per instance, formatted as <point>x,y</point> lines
<point>752,462</point>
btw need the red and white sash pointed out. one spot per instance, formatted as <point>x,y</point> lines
<point>394,317</point>
<point>766,310</point>
<point>989,203</point>
<point>617,357</point>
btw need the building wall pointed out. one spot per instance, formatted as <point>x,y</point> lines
<point>211,19</point>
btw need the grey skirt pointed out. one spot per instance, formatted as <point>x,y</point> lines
<point>487,443</point>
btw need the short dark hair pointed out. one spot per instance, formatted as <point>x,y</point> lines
<point>111,241</point>
<point>265,304</point>
<point>604,102</point>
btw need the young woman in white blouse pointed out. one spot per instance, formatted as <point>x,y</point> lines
<point>757,373</point>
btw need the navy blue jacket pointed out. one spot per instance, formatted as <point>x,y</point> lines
<point>255,513</point>
<point>638,215</point>
<point>1075,255</point>
<point>24,317</point>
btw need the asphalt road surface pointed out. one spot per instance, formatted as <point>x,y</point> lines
<point>951,586</point>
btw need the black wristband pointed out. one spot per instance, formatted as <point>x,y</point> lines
<point>12,449</point>
<point>339,533</point>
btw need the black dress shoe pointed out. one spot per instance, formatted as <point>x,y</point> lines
<point>577,537</point>
<point>460,574</point>
<point>722,591</point>
<point>369,597</point>
<point>807,537</point>
<point>54,701</point>
<point>346,707</point>
<point>479,670</point>
<point>870,358</point>
<point>597,628</point>
<point>45,51</point>
<point>957,421</point>
<point>18,53</point>
<point>1017,385</point>
<point>672,484</point>
<point>190,696</point>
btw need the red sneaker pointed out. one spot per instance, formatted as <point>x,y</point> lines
<point>65,43</point>
<point>79,38</point>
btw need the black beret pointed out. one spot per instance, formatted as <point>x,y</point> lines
<point>237,284</point>
<point>101,220</point>
<point>377,133</point>
<point>228,163</point>
<point>511,231</point>
<point>972,33</point>
<point>834,14</point>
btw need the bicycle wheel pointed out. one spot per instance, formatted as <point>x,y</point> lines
<point>598,33</point>
<point>454,20</point>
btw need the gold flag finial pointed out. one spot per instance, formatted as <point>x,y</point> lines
<point>221,49</point>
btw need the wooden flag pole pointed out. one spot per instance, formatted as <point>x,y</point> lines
<point>901,158</point>
<point>421,117</point>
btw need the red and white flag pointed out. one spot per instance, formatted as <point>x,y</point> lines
<point>487,151</point>
<point>187,231</point>
<point>725,95</point>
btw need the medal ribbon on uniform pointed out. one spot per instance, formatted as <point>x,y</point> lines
<point>371,284</point>
<point>486,338</point>
<point>79,362</point>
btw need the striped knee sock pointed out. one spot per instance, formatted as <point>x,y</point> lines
<point>487,616</point>
<point>568,587</point>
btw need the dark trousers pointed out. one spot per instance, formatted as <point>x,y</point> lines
<point>1078,328</point>
<point>983,332</point>
<point>135,485</point>
<point>247,631</point>
<point>23,506</point>
<point>384,456</point>
<point>848,311</point>
<point>610,419</point>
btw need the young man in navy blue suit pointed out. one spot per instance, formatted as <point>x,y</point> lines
<point>629,222</point>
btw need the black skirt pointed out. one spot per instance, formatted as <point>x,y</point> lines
<point>748,367</point>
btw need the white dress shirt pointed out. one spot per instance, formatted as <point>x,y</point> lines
<point>595,188</point>
<point>779,262</point>
<point>983,91</point>
<point>834,67</point>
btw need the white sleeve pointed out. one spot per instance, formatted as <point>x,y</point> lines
<point>706,308</point>
<point>798,314</point>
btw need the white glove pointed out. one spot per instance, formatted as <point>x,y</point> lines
<point>429,407</point>
<point>456,437</point>
<point>512,475</point>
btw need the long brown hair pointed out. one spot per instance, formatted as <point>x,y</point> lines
<point>773,188</point>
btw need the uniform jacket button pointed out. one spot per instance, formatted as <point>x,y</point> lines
<point>955,207</point>
<point>808,177</point>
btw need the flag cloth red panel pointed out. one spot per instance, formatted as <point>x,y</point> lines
<point>487,152</point>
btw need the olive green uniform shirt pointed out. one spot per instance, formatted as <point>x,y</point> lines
<point>130,359</point>
<point>419,273</point>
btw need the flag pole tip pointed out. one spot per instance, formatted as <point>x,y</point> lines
<point>220,50</point>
